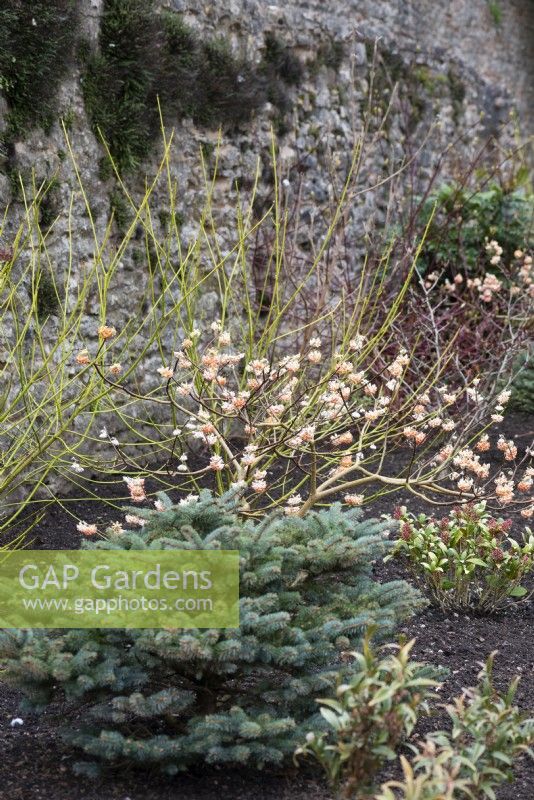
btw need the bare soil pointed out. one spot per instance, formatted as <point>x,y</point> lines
<point>35,764</point>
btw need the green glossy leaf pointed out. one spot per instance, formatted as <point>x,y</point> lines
<point>518,591</point>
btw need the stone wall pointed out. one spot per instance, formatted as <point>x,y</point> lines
<point>450,61</point>
<point>444,64</point>
<point>453,73</point>
<point>441,65</point>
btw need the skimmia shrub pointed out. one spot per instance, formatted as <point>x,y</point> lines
<point>488,735</point>
<point>464,218</point>
<point>369,717</point>
<point>466,560</point>
<point>432,775</point>
<point>170,698</point>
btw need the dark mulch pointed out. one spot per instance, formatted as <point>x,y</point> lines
<point>34,763</point>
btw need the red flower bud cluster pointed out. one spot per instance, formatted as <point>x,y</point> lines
<point>406,532</point>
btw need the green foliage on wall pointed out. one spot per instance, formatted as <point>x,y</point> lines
<point>50,203</point>
<point>143,55</point>
<point>120,209</point>
<point>279,61</point>
<point>457,93</point>
<point>495,12</point>
<point>36,43</point>
<point>331,54</point>
<point>46,295</point>
<point>118,84</point>
<point>420,88</point>
<point>280,68</point>
<point>227,89</point>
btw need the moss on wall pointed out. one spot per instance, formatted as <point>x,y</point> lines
<point>50,203</point>
<point>47,300</point>
<point>36,44</point>
<point>418,86</point>
<point>280,63</point>
<point>227,89</point>
<point>120,210</point>
<point>457,93</point>
<point>144,55</point>
<point>118,84</point>
<point>330,54</point>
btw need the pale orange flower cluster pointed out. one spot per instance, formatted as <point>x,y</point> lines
<point>327,421</point>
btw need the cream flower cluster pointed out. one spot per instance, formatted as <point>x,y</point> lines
<point>292,429</point>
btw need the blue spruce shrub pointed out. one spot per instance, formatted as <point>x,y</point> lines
<point>170,698</point>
